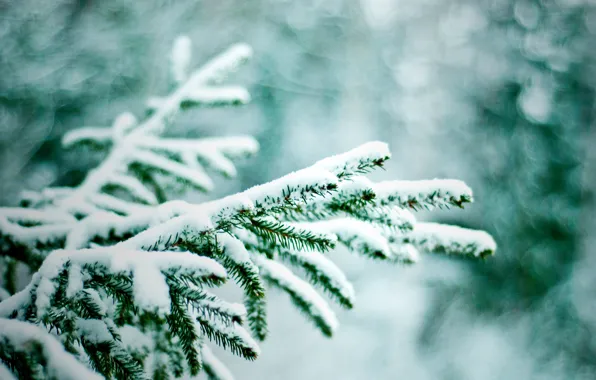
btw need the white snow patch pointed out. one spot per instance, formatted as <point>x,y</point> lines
<point>219,369</point>
<point>60,364</point>
<point>94,330</point>
<point>452,239</point>
<point>135,339</point>
<point>317,305</point>
<point>434,192</point>
<point>349,161</point>
<point>100,135</point>
<point>233,248</point>
<point>180,58</point>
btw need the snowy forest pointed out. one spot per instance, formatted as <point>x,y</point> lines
<point>333,189</point>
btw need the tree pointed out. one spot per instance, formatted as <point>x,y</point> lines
<point>123,275</point>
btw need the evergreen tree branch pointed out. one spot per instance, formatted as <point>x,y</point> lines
<point>30,352</point>
<point>256,314</point>
<point>324,273</point>
<point>127,294</point>
<point>306,299</point>
<point>452,240</point>
<point>426,194</point>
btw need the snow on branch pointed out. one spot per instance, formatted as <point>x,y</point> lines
<point>5,373</point>
<point>149,286</point>
<point>32,217</point>
<point>139,165</point>
<point>41,199</point>
<point>361,160</point>
<point>136,149</point>
<point>20,340</point>
<point>89,294</point>
<point>88,135</point>
<point>244,235</point>
<point>323,272</point>
<point>303,295</point>
<point>361,237</point>
<point>122,274</point>
<point>452,240</point>
<point>283,194</point>
<point>246,210</point>
<point>423,194</point>
<point>214,368</point>
<point>180,58</point>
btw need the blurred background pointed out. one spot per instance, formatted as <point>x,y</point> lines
<point>498,93</point>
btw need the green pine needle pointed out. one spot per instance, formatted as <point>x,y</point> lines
<point>304,307</point>
<point>287,236</point>
<point>256,314</point>
<point>226,339</point>
<point>319,278</point>
<point>182,325</point>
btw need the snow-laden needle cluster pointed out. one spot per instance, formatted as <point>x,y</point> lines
<point>122,276</point>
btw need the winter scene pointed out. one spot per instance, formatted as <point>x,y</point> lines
<point>323,189</point>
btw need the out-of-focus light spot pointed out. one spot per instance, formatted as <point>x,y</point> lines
<point>538,45</point>
<point>526,13</point>
<point>41,175</point>
<point>74,79</point>
<point>301,20</point>
<point>460,56</point>
<point>457,26</point>
<point>590,20</point>
<point>413,74</point>
<point>424,113</point>
<point>535,101</point>
<point>490,67</point>
<point>560,62</point>
<point>574,3</point>
<point>379,14</point>
<point>9,123</point>
<point>331,7</point>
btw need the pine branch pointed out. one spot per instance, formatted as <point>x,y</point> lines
<point>324,273</point>
<point>231,337</point>
<point>32,353</point>
<point>361,160</point>
<point>73,306</point>
<point>206,230</point>
<point>360,237</point>
<point>128,133</point>
<point>423,194</point>
<point>452,240</point>
<point>306,299</point>
<point>131,145</point>
<point>122,275</point>
<point>256,314</point>
<point>182,325</point>
<point>289,236</point>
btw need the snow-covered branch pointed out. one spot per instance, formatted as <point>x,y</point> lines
<point>122,274</point>
<point>89,295</point>
<point>137,149</point>
<point>45,355</point>
<point>423,194</point>
<point>139,166</point>
<point>452,240</point>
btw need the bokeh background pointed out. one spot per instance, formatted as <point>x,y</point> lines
<point>499,93</point>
